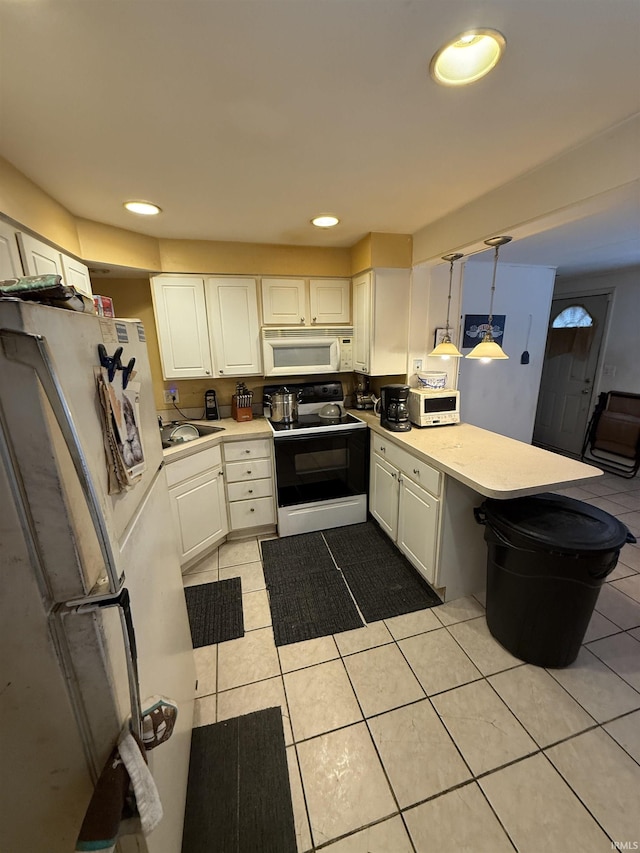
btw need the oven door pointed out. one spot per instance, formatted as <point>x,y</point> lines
<point>322,467</point>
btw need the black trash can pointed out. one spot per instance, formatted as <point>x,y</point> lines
<point>548,556</point>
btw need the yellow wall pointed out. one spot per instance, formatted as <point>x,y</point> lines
<point>105,244</point>
<point>202,256</point>
<point>382,250</point>
<point>27,205</point>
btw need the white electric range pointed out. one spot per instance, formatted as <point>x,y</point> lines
<point>322,464</point>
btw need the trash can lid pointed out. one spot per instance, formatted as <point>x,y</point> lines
<point>549,522</point>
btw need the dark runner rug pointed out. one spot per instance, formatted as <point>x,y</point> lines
<point>294,556</point>
<point>388,586</point>
<point>358,543</point>
<point>215,612</point>
<point>238,795</point>
<point>310,606</point>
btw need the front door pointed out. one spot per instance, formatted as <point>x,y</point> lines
<point>576,327</point>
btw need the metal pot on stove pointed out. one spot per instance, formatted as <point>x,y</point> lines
<point>283,405</point>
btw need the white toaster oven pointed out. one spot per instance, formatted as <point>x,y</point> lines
<point>434,407</point>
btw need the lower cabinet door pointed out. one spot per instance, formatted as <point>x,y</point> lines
<point>383,495</point>
<point>418,528</point>
<point>199,513</point>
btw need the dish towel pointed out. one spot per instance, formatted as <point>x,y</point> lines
<point>144,788</point>
<point>110,811</point>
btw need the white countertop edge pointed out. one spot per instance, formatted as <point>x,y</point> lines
<point>233,431</point>
<point>526,470</point>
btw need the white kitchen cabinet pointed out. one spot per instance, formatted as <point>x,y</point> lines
<point>196,492</point>
<point>10,264</point>
<point>298,302</point>
<point>181,320</point>
<point>76,274</point>
<point>381,321</point>
<point>404,508</point>
<point>329,301</point>
<point>284,302</point>
<point>250,485</point>
<point>38,258</point>
<point>232,311</point>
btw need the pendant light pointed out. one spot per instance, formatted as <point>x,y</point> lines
<point>446,348</point>
<point>488,349</point>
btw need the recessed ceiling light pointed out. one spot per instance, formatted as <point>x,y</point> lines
<point>467,58</point>
<point>325,221</point>
<point>144,208</point>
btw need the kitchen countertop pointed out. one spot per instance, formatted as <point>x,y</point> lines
<point>491,464</point>
<point>233,431</point>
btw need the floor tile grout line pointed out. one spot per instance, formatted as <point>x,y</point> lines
<point>542,749</point>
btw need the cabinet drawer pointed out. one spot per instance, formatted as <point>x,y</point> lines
<point>193,465</point>
<point>252,469</point>
<point>255,449</point>
<point>250,490</point>
<point>429,478</point>
<point>251,513</point>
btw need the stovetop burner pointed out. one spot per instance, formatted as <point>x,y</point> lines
<point>313,396</point>
<point>315,422</point>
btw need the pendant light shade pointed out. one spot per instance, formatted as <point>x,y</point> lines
<point>488,349</point>
<point>446,348</point>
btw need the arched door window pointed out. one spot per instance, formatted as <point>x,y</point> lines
<point>573,317</point>
<point>571,332</point>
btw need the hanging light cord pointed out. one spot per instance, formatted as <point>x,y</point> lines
<point>451,258</point>
<point>496,242</point>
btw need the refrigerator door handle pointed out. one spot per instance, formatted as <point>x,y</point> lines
<point>123,603</point>
<point>33,351</point>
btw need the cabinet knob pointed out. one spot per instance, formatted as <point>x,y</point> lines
<point>252,509</point>
<point>247,451</point>
<point>302,319</point>
<point>208,372</point>
<point>248,472</point>
<point>250,491</point>
<point>394,475</point>
<point>416,471</point>
<point>221,371</point>
<point>383,449</point>
<point>313,319</point>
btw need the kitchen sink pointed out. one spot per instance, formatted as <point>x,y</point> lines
<point>179,432</point>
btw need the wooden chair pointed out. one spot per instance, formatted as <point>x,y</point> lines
<point>612,440</point>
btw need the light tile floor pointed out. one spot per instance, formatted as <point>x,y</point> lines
<point>421,733</point>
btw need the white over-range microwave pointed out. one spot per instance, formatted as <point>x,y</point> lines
<point>296,351</point>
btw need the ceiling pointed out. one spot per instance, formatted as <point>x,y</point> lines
<point>243,119</point>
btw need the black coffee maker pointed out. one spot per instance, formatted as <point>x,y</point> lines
<point>394,414</point>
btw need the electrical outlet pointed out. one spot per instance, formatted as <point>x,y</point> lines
<point>171,396</point>
<point>417,364</point>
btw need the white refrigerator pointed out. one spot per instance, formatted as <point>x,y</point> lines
<point>68,681</point>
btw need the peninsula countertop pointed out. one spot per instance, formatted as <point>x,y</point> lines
<point>493,465</point>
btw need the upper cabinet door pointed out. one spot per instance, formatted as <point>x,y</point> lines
<point>232,308</point>
<point>10,265</point>
<point>284,301</point>
<point>361,322</point>
<point>330,301</point>
<point>181,321</point>
<point>38,258</point>
<point>76,274</point>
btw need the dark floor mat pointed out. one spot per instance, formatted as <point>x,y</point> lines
<point>387,587</point>
<point>293,556</point>
<point>238,796</point>
<point>357,543</point>
<point>215,612</point>
<point>311,606</point>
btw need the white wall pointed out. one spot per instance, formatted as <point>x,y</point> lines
<point>502,396</point>
<point>619,366</point>
<point>429,292</point>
